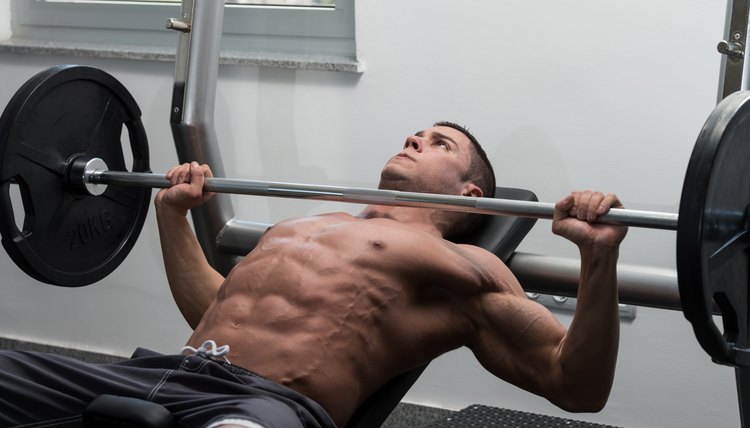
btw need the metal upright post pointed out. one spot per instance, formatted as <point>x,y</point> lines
<point>734,74</point>
<point>742,374</point>
<point>192,115</point>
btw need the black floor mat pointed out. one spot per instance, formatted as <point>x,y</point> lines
<point>478,416</point>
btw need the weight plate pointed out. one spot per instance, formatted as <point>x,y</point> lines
<point>68,238</point>
<point>712,235</point>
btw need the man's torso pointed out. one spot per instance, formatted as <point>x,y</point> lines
<point>334,306</point>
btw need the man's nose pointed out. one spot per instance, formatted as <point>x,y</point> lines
<point>415,143</point>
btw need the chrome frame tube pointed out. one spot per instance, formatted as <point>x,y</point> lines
<point>491,206</point>
<point>637,285</point>
<point>239,237</point>
<point>192,115</point>
<point>734,74</point>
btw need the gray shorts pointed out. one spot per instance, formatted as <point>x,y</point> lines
<point>44,390</point>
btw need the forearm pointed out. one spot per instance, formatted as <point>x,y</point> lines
<point>588,353</point>
<point>192,280</point>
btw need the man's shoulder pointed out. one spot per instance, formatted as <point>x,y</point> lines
<point>477,251</point>
<point>502,279</point>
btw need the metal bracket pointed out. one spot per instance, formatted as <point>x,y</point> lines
<point>183,26</point>
<point>568,304</point>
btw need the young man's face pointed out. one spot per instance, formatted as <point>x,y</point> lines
<point>432,161</point>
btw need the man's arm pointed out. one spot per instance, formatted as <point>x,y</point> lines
<point>192,280</point>
<point>522,342</point>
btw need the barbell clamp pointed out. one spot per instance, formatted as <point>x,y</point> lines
<point>81,173</point>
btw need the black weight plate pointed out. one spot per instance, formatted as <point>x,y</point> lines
<point>712,240</point>
<point>68,238</point>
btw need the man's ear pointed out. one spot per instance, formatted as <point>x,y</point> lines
<point>471,189</point>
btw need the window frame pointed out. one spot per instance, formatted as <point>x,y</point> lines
<point>249,32</point>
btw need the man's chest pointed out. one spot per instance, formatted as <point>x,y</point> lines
<point>375,251</point>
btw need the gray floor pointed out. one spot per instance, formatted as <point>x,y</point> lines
<point>81,355</point>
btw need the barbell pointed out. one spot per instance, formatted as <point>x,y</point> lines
<point>60,144</point>
<point>94,175</point>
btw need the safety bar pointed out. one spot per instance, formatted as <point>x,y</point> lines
<point>637,285</point>
<point>239,237</point>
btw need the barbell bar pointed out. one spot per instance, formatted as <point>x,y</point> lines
<point>96,174</point>
<point>66,122</point>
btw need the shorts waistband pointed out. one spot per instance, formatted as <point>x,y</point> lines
<point>211,351</point>
<point>235,369</point>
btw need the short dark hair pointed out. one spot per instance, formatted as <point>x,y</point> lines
<point>480,170</point>
<point>482,174</point>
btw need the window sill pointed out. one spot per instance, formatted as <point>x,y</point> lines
<point>146,53</point>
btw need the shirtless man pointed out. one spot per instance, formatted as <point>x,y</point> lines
<point>333,306</point>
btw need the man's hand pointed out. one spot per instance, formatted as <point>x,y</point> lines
<point>588,352</point>
<point>186,189</point>
<point>192,280</point>
<point>574,216</point>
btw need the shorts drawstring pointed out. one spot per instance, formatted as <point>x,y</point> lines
<point>209,350</point>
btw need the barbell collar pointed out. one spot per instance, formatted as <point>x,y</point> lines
<point>491,206</point>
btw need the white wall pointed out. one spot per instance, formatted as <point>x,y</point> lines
<point>564,94</point>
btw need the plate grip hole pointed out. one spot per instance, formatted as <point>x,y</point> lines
<point>23,209</point>
<point>728,316</point>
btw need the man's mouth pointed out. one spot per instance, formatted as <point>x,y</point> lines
<point>403,155</point>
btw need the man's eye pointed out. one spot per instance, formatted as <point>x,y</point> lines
<point>442,144</point>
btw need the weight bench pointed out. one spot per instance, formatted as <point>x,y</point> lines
<point>499,234</point>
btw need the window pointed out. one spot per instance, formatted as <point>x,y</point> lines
<point>304,3</point>
<point>252,29</point>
